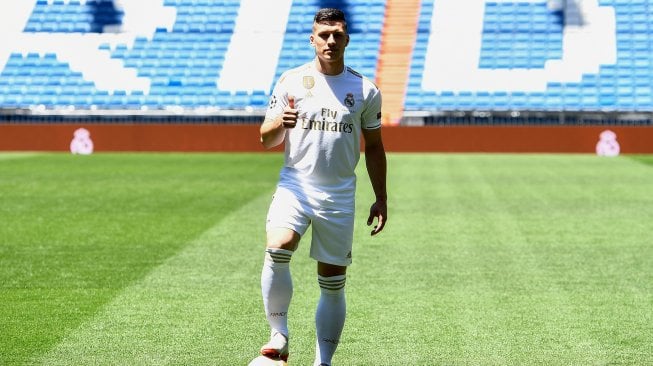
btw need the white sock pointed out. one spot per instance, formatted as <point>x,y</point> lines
<point>329,317</point>
<point>277,288</point>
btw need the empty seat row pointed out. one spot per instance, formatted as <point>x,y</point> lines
<point>183,66</point>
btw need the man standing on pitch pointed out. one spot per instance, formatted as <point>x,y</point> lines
<point>319,111</point>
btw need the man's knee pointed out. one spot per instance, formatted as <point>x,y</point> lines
<point>328,270</point>
<point>282,238</point>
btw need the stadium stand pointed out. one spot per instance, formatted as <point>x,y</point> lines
<point>196,64</point>
<point>393,65</point>
<point>537,55</point>
<point>207,56</point>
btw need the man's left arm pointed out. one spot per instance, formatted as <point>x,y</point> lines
<point>376,164</point>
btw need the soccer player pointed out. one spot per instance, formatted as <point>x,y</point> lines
<point>319,111</point>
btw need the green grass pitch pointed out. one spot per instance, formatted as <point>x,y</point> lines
<point>487,259</point>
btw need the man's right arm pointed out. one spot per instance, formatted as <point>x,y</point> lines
<point>273,130</point>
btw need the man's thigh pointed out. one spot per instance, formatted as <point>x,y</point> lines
<point>333,233</point>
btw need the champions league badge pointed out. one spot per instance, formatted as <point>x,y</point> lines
<point>273,101</point>
<point>349,100</point>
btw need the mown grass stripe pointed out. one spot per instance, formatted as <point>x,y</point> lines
<point>486,259</point>
<point>500,259</point>
<point>76,230</point>
<point>17,155</point>
<point>182,312</point>
<point>525,259</point>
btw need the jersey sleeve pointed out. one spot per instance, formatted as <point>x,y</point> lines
<point>278,99</point>
<point>371,117</point>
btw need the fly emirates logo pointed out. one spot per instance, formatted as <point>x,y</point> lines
<point>329,121</point>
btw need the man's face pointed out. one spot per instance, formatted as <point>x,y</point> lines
<point>330,40</point>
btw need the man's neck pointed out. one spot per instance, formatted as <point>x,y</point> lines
<point>329,68</point>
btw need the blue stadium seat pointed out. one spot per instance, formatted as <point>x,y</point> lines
<point>182,66</point>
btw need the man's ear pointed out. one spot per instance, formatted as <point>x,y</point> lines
<point>311,40</point>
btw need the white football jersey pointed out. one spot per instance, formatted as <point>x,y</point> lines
<point>322,151</point>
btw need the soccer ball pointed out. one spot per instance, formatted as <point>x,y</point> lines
<point>264,361</point>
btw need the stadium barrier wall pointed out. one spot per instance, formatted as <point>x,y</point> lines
<point>169,137</point>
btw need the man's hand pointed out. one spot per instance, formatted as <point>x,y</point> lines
<point>379,210</point>
<point>289,116</point>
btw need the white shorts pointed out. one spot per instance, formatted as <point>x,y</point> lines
<point>333,230</point>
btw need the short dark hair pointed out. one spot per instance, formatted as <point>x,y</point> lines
<point>330,15</point>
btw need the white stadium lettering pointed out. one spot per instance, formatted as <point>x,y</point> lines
<point>453,53</point>
<point>248,68</point>
<point>82,50</point>
<point>459,61</point>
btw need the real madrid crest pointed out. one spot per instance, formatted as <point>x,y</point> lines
<point>349,100</point>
